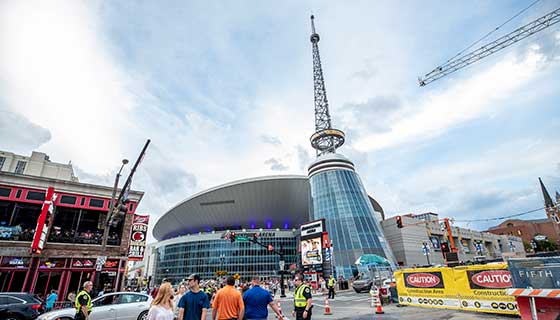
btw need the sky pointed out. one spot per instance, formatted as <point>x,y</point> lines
<point>224,90</point>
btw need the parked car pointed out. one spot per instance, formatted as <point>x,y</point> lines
<point>363,283</point>
<point>20,306</point>
<point>111,306</point>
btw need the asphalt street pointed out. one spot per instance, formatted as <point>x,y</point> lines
<point>351,305</point>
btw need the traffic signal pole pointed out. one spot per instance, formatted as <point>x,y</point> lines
<point>254,239</point>
<point>112,203</point>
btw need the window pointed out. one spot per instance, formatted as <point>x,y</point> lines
<point>97,203</point>
<point>2,160</point>
<point>131,298</point>
<point>68,199</point>
<point>18,193</point>
<point>20,167</point>
<point>5,192</point>
<point>9,300</point>
<point>83,201</point>
<point>510,225</point>
<point>35,195</point>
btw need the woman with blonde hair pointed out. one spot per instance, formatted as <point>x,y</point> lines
<point>162,306</point>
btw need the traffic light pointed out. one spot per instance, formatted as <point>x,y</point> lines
<point>232,237</point>
<point>119,212</point>
<point>255,236</point>
<point>399,222</point>
<point>270,247</point>
<point>444,247</point>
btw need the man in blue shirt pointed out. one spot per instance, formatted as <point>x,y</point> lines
<point>256,301</point>
<point>194,304</point>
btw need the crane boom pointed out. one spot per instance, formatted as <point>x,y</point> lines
<point>468,58</point>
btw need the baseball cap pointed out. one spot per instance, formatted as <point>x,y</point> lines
<point>194,276</point>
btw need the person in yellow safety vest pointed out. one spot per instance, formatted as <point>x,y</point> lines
<point>83,302</point>
<point>331,285</point>
<point>302,300</point>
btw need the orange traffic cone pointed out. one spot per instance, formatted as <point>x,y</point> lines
<point>327,307</point>
<point>279,307</point>
<point>378,308</point>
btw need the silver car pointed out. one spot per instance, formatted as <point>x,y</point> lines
<point>112,306</point>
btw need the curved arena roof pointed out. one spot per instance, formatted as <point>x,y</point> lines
<point>265,202</point>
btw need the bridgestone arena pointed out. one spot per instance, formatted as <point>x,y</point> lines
<point>193,234</point>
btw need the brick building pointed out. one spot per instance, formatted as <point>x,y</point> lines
<point>74,238</point>
<point>528,229</point>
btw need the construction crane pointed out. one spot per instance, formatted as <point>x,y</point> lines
<point>466,59</point>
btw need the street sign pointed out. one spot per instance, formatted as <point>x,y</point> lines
<point>242,238</point>
<point>100,262</point>
<point>282,264</point>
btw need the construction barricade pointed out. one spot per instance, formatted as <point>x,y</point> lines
<point>536,286</point>
<point>427,287</point>
<point>478,288</point>
<point>483,288</point>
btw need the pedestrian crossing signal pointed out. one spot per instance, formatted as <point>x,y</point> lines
<point>232,237</point>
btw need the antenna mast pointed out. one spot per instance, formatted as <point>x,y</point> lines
<point>325,139</point>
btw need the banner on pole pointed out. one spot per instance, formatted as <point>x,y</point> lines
<point>138,234</point>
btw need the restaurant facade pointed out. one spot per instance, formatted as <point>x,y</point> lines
<point>71,245</point>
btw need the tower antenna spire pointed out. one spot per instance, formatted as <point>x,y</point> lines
<point>325,139</point>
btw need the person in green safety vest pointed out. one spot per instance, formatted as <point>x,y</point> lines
<point>303,302</point>
<point>83,302</point>
<point>330,285</point>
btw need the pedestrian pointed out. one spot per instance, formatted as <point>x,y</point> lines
<point>195,303</point>
<point>256,301</point>
<point>179,294</point>
<point>330,286</point>
<point>83,302</point>
<point>51,298</point>
<point>228,303</point>
<point>71,298</point>
<point>162,306</point>
<point>303,302</point>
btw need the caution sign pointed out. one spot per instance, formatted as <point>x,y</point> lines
<point>479,288</point>
<point>427,287</point>
<point>483,288</point>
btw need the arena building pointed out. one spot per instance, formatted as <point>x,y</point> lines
<point>192,234</point>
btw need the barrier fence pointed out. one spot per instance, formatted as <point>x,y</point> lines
<point>480,288</point>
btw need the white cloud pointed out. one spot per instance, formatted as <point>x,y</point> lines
<point>484,94</point>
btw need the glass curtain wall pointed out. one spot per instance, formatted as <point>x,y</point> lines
<point>177,261</point>
<point>340,198</point>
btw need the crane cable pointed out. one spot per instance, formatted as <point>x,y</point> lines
<point>489,33</point>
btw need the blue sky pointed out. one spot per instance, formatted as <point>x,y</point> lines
<point>224,90</point>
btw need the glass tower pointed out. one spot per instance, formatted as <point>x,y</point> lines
<point>338,195</point>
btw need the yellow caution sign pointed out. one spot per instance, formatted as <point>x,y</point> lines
<point>483,288</point>
<point>427,287</point>
<point>475,288</point>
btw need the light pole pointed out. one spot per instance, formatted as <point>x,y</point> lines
<point>107,219</point>
<point>426,251</point>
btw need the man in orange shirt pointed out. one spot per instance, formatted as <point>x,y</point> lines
<point>228,303</point>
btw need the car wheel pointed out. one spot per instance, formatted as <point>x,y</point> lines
<point>143,315</point>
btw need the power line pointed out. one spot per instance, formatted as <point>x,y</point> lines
<point>503,217</point>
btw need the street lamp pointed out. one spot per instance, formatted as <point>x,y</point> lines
<point>107,219</point>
